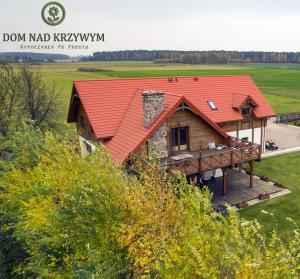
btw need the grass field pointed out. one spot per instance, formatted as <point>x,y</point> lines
<point>283,169</point>
<point>280,83</point>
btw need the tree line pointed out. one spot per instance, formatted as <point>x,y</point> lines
<point>196,57</point>
<point>27,57</point>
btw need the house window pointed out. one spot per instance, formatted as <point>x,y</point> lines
<point>212,105</point>
<point>82,122</point>
<point>88,147</point>
<point>246,110</point>
<point>179,139</point>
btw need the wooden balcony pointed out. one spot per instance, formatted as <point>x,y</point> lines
<point>238,151</point>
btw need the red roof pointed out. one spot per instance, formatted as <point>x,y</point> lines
<point>239,100</point>
<point>132,127</point>
<point>114,106</point>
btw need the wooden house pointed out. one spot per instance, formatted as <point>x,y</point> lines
<point>193,124</point>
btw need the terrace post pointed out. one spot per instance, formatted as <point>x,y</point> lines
<point>200,162</point>
<point>224,170</point>
<point>251,173</point>
<point>240,167</point>
<point>260,151</point>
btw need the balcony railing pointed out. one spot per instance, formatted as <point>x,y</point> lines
<point>237,152</point>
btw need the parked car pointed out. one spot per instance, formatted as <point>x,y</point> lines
<point>271,145</point>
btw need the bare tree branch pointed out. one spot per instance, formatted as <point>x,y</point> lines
<point>24,95</point>
<point>9,98</point>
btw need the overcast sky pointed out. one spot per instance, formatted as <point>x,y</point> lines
<point>266,25</point>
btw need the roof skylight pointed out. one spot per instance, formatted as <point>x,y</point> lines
<point>212,105</point>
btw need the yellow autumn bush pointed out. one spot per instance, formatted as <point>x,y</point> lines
<point>87,218</point>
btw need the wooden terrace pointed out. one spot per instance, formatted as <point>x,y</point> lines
<point>195,164</point>
<point>238,151</point>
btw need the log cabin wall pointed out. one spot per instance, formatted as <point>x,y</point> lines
<point>84,128</point>
<point>242,125</point>
<point>243,129</point>
<point>200,133</point>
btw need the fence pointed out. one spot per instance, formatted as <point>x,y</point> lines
<point>287,117</point>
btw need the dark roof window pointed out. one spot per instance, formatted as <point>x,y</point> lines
<point>246,110</point>
<point>212,105</point>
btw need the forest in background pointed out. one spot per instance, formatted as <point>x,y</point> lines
<point>14,57</point>
<point>195,57</point>
<point>162,56</point>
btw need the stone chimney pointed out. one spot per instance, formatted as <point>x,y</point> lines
<point>153,105</point>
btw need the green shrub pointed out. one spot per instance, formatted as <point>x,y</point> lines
<point>85,218</point>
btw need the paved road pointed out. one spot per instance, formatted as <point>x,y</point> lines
<point>285,136</point>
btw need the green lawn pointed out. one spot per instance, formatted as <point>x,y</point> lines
<point>284,169</point>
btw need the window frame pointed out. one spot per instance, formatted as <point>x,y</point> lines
<point>212,105</point>
<point>248,108</point>
<point>180,147</point>
<point>88,147</point>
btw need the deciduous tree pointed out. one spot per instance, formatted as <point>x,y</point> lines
<point>86,218</point>
<point>40,101</point>
<point>25,96</point>
<point>10,99</point>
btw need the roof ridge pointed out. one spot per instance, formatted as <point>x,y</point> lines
<point>240,94</point>
<point>166,93</point>
<point>164,77</point>
<point>173,94</point>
